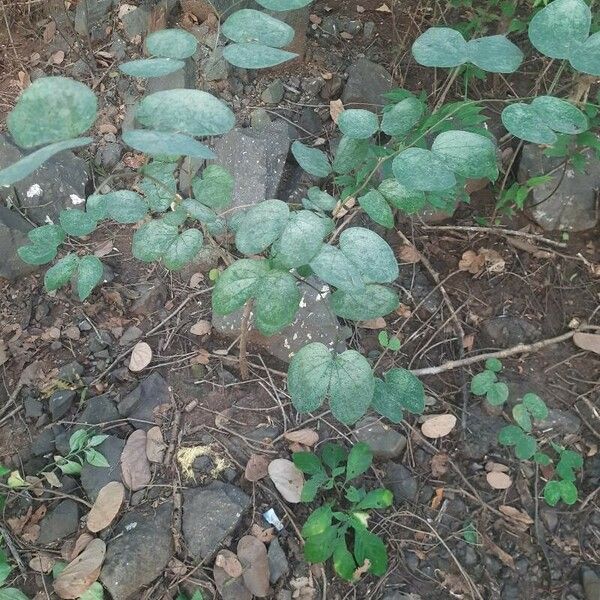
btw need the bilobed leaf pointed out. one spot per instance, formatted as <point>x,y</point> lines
<point>183,249</point>
<point>52,109</point>
<point>300,240</point>
<point>276,302</point>
<point>536,406</point>
<point>521,416</point>
<point>236,284</point>
<point>525,448</point>
<point>369,302</point>
<point>497,394</point>
<point>409,201</point>
<point>524,122</point>
<point>494,53</point>
<point>552,493</point>
<point>152,239</point>
<point>343,561</point>
<point>261,225</point>
<point>254,26</point>
<point>368,546</point>
<point>402,117</point>
<point>28,164</point>
<point>359,460</point>
<point>193,111</point>
<point>376,206</point>
<point>482,382</point>
<point>255,56</point>
<point>586,58</point>
<point>215,187</point>
<point>161,143</point>
<point>350,154</point>
<point>77,222</point>
<point>560,115</point>
<point>148,68</point>
<point>421,170</point>
<point>125,206</point>
<point>335,268</point>
<point>312,160</point>
<point>400,391</point>
<point>560,28</point>
<point>358,124</point>
<point>89,275</point>
<point>440,47</point>
<point>37,254</point>
<point>468,154</point>
<point>171,43</point>
<point>60,273</point>
<point>510,435</point>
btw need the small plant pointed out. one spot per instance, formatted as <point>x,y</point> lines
<point>8,593</point>
<point>82,448</point>
<point>342,521</point>
<point>563,486</point>
<point>486,383</point>
<point>516,195</point>
<point>387,342</point>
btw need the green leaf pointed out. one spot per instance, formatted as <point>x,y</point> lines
<point>261,225</point>
<point>525,448</point>
<point>60,274</point>
<point>542,459</point>
<point>28,164</point>
<point>524,122</point>
<point>493,364</point>
<point>318,548</point>
<point>312,486</point>
<point>536,406</point>
<point>495,54</point>
<point>350,154</point>
<point>359,460</point>
<point>11,593</point>
<point>497,395</point>
<point>52,109</point>
<point>253,26</point>
<point>375,205</point>
<point>470,534</point>
<point>402,117</point>
<point>560,28</point>
<point>159,184</point>
<point>183,249</point>
<point>96,440</point>
<point>70,467</point>
<point>236,284</point>
<point>409,201</point>
<point>312,160</point>
<point>148,68</point>
<point>421,170</point>
<point>318,521</point>
<point>93,457</point>
<point>214,224</point>
<point>467,154</point>
<point>95,206</point>
<point>586,58</point>
<point>58,568</point>
<point>78,440</point>
<point>510,435</point>
<point>37,254</point>
<point>482,382</point>
<point>333,455</point>
<point>77,222</point>
<point>380,498</point>
<point>307,462</point>
<point>171,43</point>
<point>552,493</point>
<point>277,299</point>
<point>255,56</point>
<point>572,459</point>
<point>94,592</point>
<point>47,235</point>
<point>394,344</point>
<point>565,471</point>
<point>160,143</point>
<point>315,374</point>
<point>320,199</point>
<point>358,124</point>
<point>368,546</point>
<point>335,268</point>
<point>300,240</point>
<point>369,303</point>
<point>560,115</point>
<point>521,416</point>
<point>5,570</point>
<point>89,275</point>
<point>193,111</point>
<point>215,188</point>
<point>440,47</point>
<point>343,561</point>
<point>372,255</point>
<point>568,492</point>
<point>404,390</point>
<point>283,5</point>
<point>153,239</point>
<point>125,206</point>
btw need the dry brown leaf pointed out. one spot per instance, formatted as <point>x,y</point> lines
<point>439,464</point>
<point>80,544</point>
<point>49,32</point>
<point>498,480</point>
<point>58,57</point>
<point>106,507</point>
<point>403,311</point>
<point>257,467</point>
<point>229,563</point>
<point>438,496</point>
<point>155,445</point>
<point>378,323</point>
<point>471,262</point>
<point>306,437</point>
<point>516,514</point>
<point>79,574</point>
<point>42,563</point>
<point>336,108</point>
<point>134,462</point>
<point>504,556</point>
<point>587,341</point>
<point>202,327</point>
<point>494,466</point>
<point>196,279</point>
<point>409,254</point>
<point>252,554</point>
<point>315,19</point>
<point>288,479</point>
<point>437,426</point>
<point>522,244</point>
<point>141,357</point>
<point>468,342</point>
<point>202,357</point>
<point>384,8</point>
<point>52,479</point>
<point>103,248</point>
<point>346,35</point>
<point>264,535</point>
<point>360,9</point>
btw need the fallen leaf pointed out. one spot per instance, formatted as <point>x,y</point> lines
<point>202,357</point>
<point>177,567</point>
<point>471,262</point>
<point>155,445</point>
<point>336,108</point>
<point>468,342</point>
<point>360,571</point>
<point>403,311</point>
<point>257,467</point>
<point>439,464</point>
<point>346,35</point>
<point>436,501</point>
<point>522,244</point>
<point>106,507</point>
<point>360,9</point>
<point>141,357</point>
<point>378,323</point>
<point>79,574</point>
<point>229,562</point>
<point>288,479</point>
<point>504,556</point>
<point>58,57</point>
<point>52,479</point>
<point>42,563</point>
<point>315,19</point>
<point>252,554</point>
<point>103,248</point>
<point>81,543</point>
<point>3,352</point>
<point>227,586</point>
<point>516,514</point>
<point>264,535</point>
<point>498,480</point>
<point>49,32</point>
<point>306,437</point>
<point>587,341</point>
<point>134,462</point>
<point>409,254</point>
<point>437,426</point>
<point>498,467</point>
<point>384,8</point>
<point>196,279</point>
<point>201,328</point>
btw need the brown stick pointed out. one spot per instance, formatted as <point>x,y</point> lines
<point>244,373</point>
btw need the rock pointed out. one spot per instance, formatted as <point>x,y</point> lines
<point>183,78</point>
<point>273,93</point>
<point>332,88</point>
<point>43,442</point>
<point>139,551</point>
<point>130,335</point>
<point>215,67</point>
<point>92,18</point>
<point>591,584</point>
<point>33,408</point>
<point>152,297</point>
<point>278,563</point>
<point>210,514</point>
<point>139,405</point>
<point>259,119</point>
<point>71,372</point>
<point>60,522</point>
<point>108,155</point>
<point>136,22</point>
<point>314,322</point>
<point>384,441</point>
<point>100,409</point>
<point>230,588</point>
<point>482,433</point>
<point>366,83</point>
<point>507,331</point>
<point>310,121</point>
<point>312,85</point>
<point>60,402</point>
<point>13,235</point>
<point>560,421</point>
<point>93,479</point>
<point>568,201</point>
<point>400,481</point>
<point>99,341</point>
<point>369,30</point>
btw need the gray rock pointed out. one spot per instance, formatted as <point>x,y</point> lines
<point>400,481</point>
<point>13,234</point>
<point>71,372</point>
<point>93,479</point>
<point>138,553</point>
<point>273,93</point>
<point>60,402</point>
<point>62,443</point>
<point>482,433</point>
<point>560,421</point>
<point>183,79</point>
<point>314,322</point>
<point>366,83</point>
<point>210,514</point>
<point>369,30</point>
<point>136,22</point>
<point>60,522</point>
<point>33,408</point>
<point>100,409</point>
<point>312,85</point>
<point>99,341</point>
<point>131,334</point>
<point>506,331</point>
<point>109,155</point>
<point>215,67</point>
<point>568,202</point>
<point>278,563</point>
<point>384,441</point>
<point>332,88</point>
<point>92,18</point>
<point>259,118</point>
<point>152,297</point>
<point>310,121</point>
<point>591,584</point>
<point>43,443</point>
<point>139,405</point>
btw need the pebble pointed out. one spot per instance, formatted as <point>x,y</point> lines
<point>273,94</point>
<point>384,441</point>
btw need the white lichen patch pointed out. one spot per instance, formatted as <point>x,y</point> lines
<point>34,191</point>
<point>75,199</point>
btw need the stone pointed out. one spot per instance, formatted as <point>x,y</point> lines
<point>60,402</point>
<point>314,322</point>
<point>136,22</point>
<point>182,79</point>
<point>99,341</point>
<point>215,67</point>
<point>505,331</point>
<point>140,404</point>
<point>130,335</point>
<point>71,372</point>
<point>100,409</point>
<point>366,83</point>
<point>93,479</point>
<point>310,121</point>
<point>210,514</point>
<point>60,522</point>
<point>312,85</point>
<point>43,443</point>
<point>568,202</point>
<point>591,584</point>
<point>369,30</point>
<point>139,551</point>
<point>92,18</point>
<point>259,119</point>
<point>482,433</point>
<point>384,441</point>
<point>560,421</point>
<point>108,155</point>
<point>278,563</point>
<point>33,408</point>
<point>13,235</point>
<point>152,297</point>
<point>400,481</point>
<point>273,93</point>
<point>332,88</point>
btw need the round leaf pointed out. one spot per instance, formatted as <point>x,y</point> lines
<point>521,416</point>
<point>255,56</point>
<point>261,225</point>
<point>171,43</point>
<point>152,239</point>
<point>335,268</point>
<point>60,273</point>
<point>159,143</point>
<point>318,521</point>
<point>193,111</point>
<point>77,222</point>
<point>552,493</point>
<point>89,275</point>
<point>482,382</point>
<point>510,435</point>
<point>525,448</point>
<point>141,357</point>
<point>358,124</point>
<point>560,115</point>
<point>421,170</point>
<point>350,154</point>
<point>283,5</point>
<point>148,68</point>
<point>125,206</point>
<point>497,394</point>
<point>375,205</point>
<point>369,303</point>
<point>183,249</point>
<point>536,406</point>
<point>313,161</point>
<point>468,154</point>
<point>402,117</point>
<point>300,240</point>
<point>253,26</point>
<point>320,199</point>
<point>215,188</point>
<point>236,284</point>
<point>494,53</point>
<point>568,492</point>
<point>47,235</point>
<point>52,109</point>
<point>276,302</point>
<point>409,201</point>
<point>440,47</point>
<point>586,58</point>
<point>37,254</point>
<point>524,122</point>
<point>493,364</point>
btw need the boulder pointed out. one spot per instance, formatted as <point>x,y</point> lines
<point>367,81</point>
<point>139,405</point>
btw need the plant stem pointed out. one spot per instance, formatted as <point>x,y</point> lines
<point>245,328</point>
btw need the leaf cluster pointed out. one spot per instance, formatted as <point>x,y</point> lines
<point>82,448</point>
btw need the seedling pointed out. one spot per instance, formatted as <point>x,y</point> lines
<point>82,448</point>
<point>387,342</point>
<point>486,383</point>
